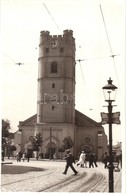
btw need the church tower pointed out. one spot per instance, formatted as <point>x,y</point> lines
<point>56,78</point>
<point>56,116</point>
<point>56,87</point>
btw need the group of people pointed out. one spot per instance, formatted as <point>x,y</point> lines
<point>117,159</point>
<point>22,156</point>
<point>83,160</point>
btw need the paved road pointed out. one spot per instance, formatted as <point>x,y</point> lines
<point>46,176</point>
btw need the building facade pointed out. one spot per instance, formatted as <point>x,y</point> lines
<point>56,115</point>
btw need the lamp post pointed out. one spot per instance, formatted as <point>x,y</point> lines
<point>50,157</point>
<point>110,118</point>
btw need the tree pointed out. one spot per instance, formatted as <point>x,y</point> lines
<point>67,143</point>
<point>6,138</point>
<point>36,142</point>
<point>10,149</point>
<point>5,131</point>
<point>13,148</point>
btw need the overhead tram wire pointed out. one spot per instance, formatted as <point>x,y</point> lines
<point>16,63</point>
<point>8,57</point>
<point>106,29</point>
<point>79,60</point>
<point>96,58</point>
<point>113,56</point>
<point>60,32</point>
<point>52,17</point>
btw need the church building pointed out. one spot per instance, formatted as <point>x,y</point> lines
<point>56,116</point>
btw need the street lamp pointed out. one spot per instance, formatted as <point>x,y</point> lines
<point>50,154</point>
<point>110,118</point>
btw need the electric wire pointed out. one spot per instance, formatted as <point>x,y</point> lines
<point>20,64</point>
<point>52,17</point>
<point>8,57</point>
<point>106,29</point>
<point>113,56</point>
<point>30,78</point>
<point>82,72</point>
<point>84,84</point>
<point>96,58</point>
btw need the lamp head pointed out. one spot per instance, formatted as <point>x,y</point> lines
<point>109,91</point>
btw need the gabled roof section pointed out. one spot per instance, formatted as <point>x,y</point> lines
<point>82,120</point>
<point>30,121</point>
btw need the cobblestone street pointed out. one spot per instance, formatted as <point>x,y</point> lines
<point>45,175</point>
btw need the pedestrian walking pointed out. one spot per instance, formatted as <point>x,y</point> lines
<point>117,159</point>
<point>91,160</point>
<point>82,159</point>
<point>54,156</point>
<point>120,159</point>
<point>95,160</point>
<point>23,156</point>
<point>3,155</point>
<point>19,156</point>
<point>105,160</point>
<point>69,162</point>
<point>28,157</point>
<point>85,161</point>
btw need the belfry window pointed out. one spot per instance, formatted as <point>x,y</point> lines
<point>54,67</point>
<point>53,85</point>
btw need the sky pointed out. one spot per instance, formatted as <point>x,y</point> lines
<point>98,29</point>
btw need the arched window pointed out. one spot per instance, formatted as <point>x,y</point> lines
<point>54,67</point>
<point>53,85</point>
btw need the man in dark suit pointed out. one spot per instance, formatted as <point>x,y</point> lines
<point>69,162</point>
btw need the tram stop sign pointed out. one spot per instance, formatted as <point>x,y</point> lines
<point>115,118</point>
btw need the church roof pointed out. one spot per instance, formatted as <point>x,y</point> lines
<point>81,120</point>
<point>30,121</point>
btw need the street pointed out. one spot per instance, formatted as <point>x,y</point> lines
<point>46,176</point>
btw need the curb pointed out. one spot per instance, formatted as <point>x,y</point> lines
<point>6,162</point>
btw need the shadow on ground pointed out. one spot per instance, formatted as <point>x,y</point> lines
<point>11,169</point>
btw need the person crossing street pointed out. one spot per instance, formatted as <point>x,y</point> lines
<point>82,159</point>
<point>69,162</point>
